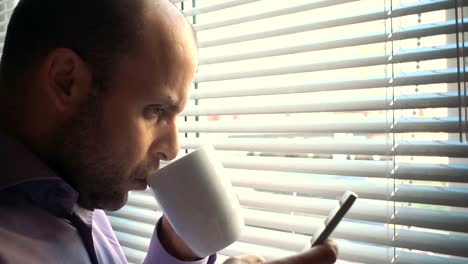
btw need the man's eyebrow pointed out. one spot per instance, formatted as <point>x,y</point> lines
<point>174,108</point>
<point>171,105</point>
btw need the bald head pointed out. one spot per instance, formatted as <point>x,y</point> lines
<point>104,81</point>
<point>97,31</point>
<point>166,28</point>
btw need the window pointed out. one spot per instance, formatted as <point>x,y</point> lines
<point>306,99</point>
<point>6,8</point>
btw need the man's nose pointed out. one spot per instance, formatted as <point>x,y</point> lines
<point>167,144</point>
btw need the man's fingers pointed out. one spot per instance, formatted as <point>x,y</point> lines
<point>326,253</point>
<point>247,259</point>
<point>333,245</point>
<point>257,258</point>
<point>254,259</point>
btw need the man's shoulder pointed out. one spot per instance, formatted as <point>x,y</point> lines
<point>25,221</point>
<point>29,234</point>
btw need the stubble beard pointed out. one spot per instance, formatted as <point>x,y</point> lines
<point>83,157</point>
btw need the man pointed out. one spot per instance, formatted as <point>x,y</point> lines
<point>90,91</point>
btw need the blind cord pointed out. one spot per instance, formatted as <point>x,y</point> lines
<point>459,79</point>
<point>464,69</point>
<point>392,79</point>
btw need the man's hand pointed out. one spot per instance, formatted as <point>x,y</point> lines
<point>326,253</point>
<point>247,259</point>
<point>323,254</point>
<point>173,244</point>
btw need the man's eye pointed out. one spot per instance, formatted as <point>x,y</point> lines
<point>153,111</point>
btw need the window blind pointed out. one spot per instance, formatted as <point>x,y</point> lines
<point>307,99</point>
<point>6,8</point>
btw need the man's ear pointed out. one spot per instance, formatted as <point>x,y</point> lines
<point>65,79</point>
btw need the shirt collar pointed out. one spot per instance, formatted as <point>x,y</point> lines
<point>25,172</point>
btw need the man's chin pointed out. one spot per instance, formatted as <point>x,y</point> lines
<point>113,203</point>
<point>116,205</point>
<point>139,185</point>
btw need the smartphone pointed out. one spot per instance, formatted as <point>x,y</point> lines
<point>333,219</point>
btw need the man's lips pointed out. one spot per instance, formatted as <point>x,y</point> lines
<point>139,184</point>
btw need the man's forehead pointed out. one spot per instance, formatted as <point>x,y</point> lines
<point>167,57</point>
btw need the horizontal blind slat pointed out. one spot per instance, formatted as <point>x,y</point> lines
<point>241,248</point>
<point>131,227</point>
<point>372,169</point>
<point>133,255</point>
<point>9,9</point>
<point>377,169</point>
<point>132,241</point>
<point>401,125</point>
<point>424,194</point>
<point>216,7</point>
<point>335,146</point>
<point>428,100</point>
<point>420,54</point>
<point>403,79</point>
<point>269,14</point>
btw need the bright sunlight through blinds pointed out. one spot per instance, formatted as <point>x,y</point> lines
<point>6,8</point>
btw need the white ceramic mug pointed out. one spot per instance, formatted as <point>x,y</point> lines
<point>198,199</point>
